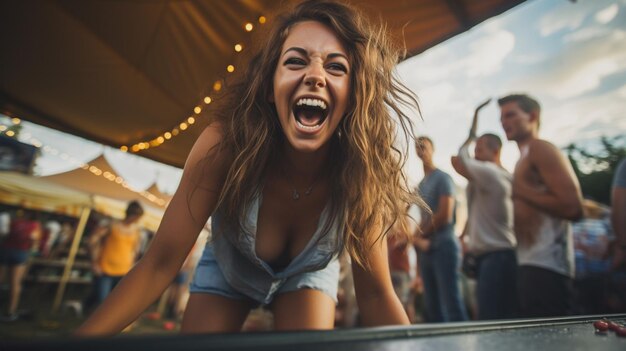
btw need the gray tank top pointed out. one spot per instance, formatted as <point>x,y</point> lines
<point>247,273</point>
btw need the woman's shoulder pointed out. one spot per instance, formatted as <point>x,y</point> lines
<point>212,135</point>
<point>208,145</point>
<point>209,159</point>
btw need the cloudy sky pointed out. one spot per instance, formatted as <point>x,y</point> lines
<point>570,55</point>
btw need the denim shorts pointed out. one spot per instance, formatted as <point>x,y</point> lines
<point>13,257</point>
<point>208,278</point>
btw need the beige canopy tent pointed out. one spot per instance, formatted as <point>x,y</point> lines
<point>127,72</point>
<point>39,194</point>
<point>109,196</point>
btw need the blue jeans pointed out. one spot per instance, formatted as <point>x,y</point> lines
<point>103,286</point>
<point>497,285</point>
<point>440,267</point>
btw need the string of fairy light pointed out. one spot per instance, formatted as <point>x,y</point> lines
<point>188,122</point>
<point>137,147</point>
<point>93,169</point>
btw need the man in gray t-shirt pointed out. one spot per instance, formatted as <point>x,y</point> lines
<point>490,223</point>
<point>439,258</point>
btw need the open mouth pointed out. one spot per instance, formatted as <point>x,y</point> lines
<point>310,113</point>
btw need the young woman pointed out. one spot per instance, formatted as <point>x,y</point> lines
<point>298,165</point>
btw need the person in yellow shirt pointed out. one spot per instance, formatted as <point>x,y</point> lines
<point>114,250</point>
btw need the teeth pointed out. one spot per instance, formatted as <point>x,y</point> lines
<point>311,102</point>
<point>311,128</point>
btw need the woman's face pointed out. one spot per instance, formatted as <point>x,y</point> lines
<point>311,85</point>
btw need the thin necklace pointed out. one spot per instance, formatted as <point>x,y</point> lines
<point>295,195</point>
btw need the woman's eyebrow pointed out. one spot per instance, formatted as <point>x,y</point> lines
<point>299,50</point>
<point>303,52</point>
<point>338,54</point>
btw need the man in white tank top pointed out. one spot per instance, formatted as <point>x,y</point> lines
<point>546,197</point>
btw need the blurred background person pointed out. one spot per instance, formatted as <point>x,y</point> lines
<point>399,265</point>
<point>50,236</point>
<point>5,224</point>
<point>15,249</point>
<point>618,216</point>
<point>438,249</point>
<point>617,296</point>
<point>592,236</point>
<point>489,225</point>
<point>346,310</point>
<point>546,197</point>
<point>114,250</point>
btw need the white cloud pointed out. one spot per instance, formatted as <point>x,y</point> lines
<point>607,15</point>
<point>479,54</point>
<point>529,58</point>
<point>571,15</point>
<point>586,34</point>
<point>489,52</point>
<point>565,16</point>
<point>621,92</point>
<point>435,96</point>
<point>578,69</point>
<point>586,78</point>
<point>430,66</point>
<point>586,118</point>
<point>482,56</point>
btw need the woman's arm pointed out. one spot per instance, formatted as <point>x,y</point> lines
<point>193,203</point>
<point>377,301</point>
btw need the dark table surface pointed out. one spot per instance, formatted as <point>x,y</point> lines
<point>553,334</point>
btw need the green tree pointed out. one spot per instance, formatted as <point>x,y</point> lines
<point>595,169</point>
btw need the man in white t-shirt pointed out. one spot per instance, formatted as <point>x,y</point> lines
<point>489,226</point>
<point>546,197</point>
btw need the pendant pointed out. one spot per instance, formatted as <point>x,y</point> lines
<point>295,194</point>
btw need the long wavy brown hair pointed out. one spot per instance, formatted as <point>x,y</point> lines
<point>369,189</point>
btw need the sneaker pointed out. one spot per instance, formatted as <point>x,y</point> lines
<point>9,317</point>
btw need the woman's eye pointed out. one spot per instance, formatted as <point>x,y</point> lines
<point>294,61</point>
<point>337,67</point>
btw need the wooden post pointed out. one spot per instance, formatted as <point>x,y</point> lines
<point>69,263</point>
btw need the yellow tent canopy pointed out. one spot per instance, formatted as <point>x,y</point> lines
<point>40,194</point>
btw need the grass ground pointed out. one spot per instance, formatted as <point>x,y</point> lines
<point>37,319</point>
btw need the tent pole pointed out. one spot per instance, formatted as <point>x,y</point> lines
<point>69,263</point>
